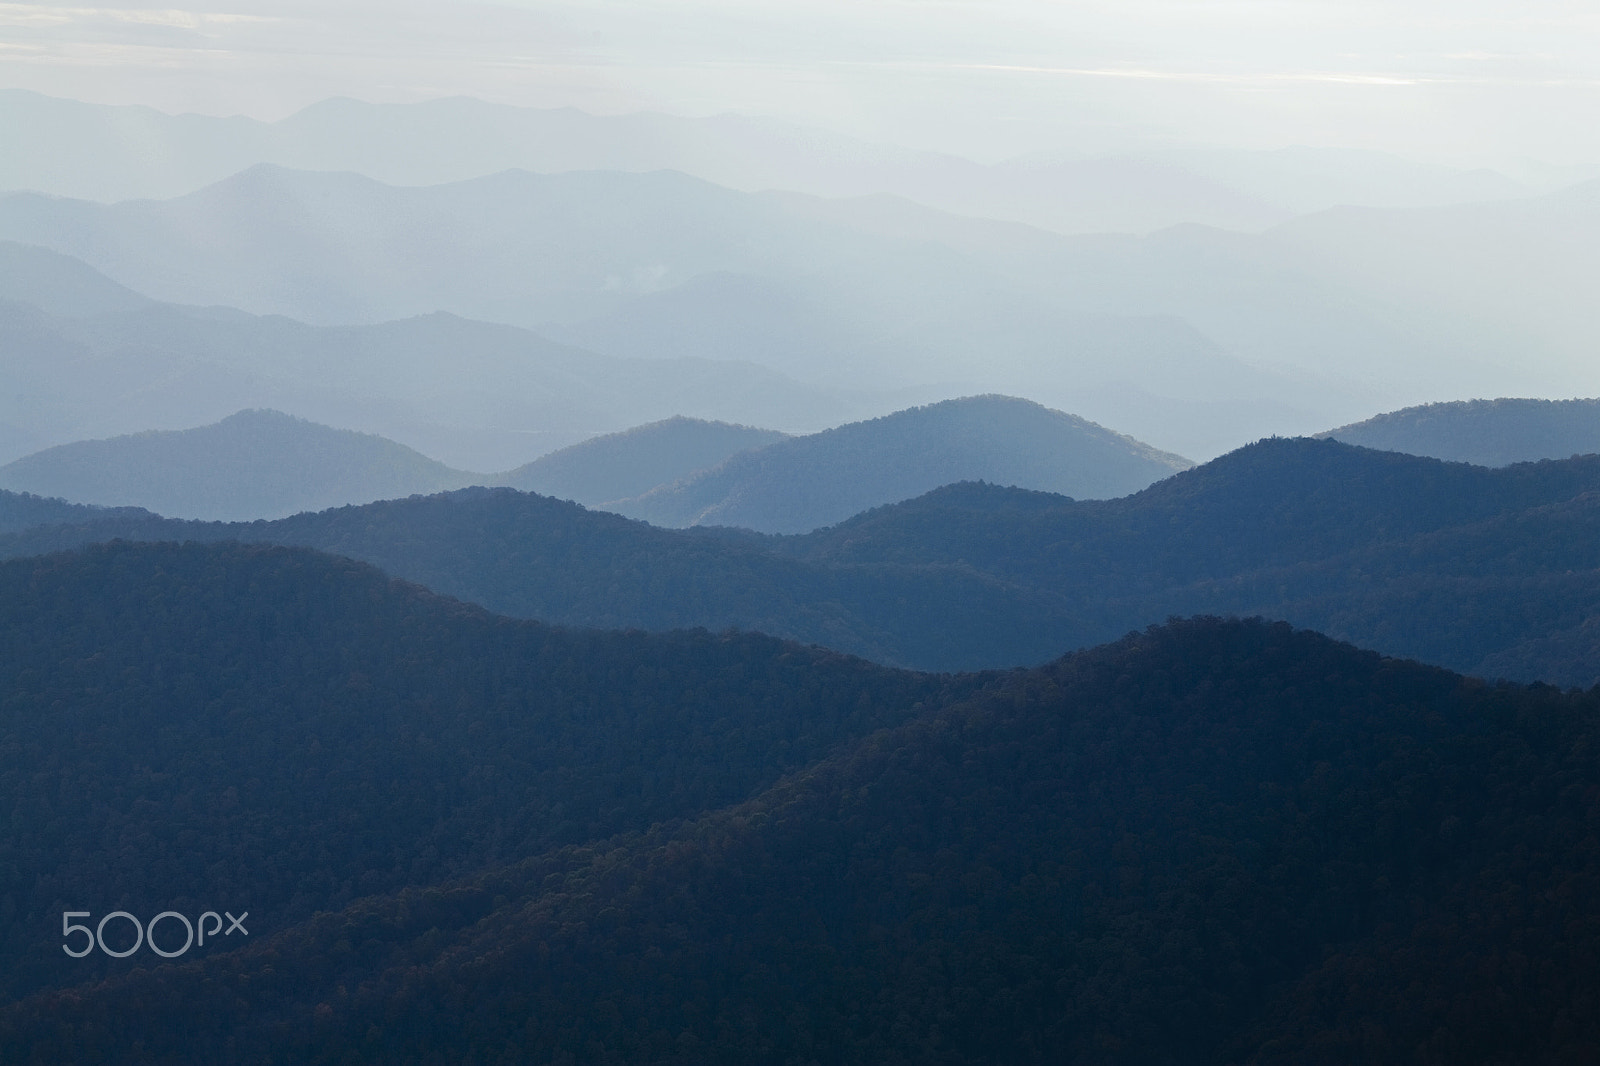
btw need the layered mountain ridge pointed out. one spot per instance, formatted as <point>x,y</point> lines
<point>1485,571</point>
<point>1278,832</point>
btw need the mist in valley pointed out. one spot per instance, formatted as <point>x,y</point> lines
<point>674,531</point>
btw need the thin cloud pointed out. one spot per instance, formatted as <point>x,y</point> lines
<point>1200,76</point>
<point>175,18</point>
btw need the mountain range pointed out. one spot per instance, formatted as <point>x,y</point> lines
<point>477,396</point>
<point>662,266</point>
<point>799,484</point>
<point>1212,841</point>
<point>265,464</point>
<point>1492,572</point>
<point>1182,333</point>
<point>70,148</point>
<point>786,688</point>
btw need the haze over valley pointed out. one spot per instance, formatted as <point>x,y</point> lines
<point>680,532</point>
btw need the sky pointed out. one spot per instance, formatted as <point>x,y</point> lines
<point>1463,82</point>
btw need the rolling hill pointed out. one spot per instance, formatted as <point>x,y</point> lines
<point>805,482</point>
<point>1214,841</point>
<point>1493,572</point>
<point>1485,432</point>
<point>331,733</point>
<point>631,463</point>
<point>254,464</point>
<point>534,557</point>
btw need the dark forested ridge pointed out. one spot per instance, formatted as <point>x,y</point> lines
<point>202,727</point>
<point>1487,432</point>
<point>1214,842</point>
<point>1485,571</point>
<point>23,510</point>
<point>1492,572</point>
<point>534,557</point>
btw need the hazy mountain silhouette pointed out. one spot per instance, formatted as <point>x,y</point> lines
<point>805,482</point>
<point>1486,432</point>
<point>59,284</point>
<point>97,152</point>
<point>1303,180</point>
<point>1493,572</point>
<point>1213,841</point>
<point>630,463</point>
<point>1515,271</point>
<point>853,294</point>
<point>885,293</point>
<point>254,464</point>
<point>480,396</point>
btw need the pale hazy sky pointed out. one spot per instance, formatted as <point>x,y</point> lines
<point>1457,81</point>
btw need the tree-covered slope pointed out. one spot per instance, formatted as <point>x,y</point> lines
<point>254,464</point>
<point>1276,501</point>
<point>1492,572</point>
<point>535,557</point>
<point>20,511</point>
<point>805,482</point>
<point>274,730</point>
<point>1214,842</point>
<point>631,463</point>
<point>1485,432</point>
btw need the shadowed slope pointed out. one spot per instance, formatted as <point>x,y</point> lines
<point>1210,843</point>
<point>207,727</point>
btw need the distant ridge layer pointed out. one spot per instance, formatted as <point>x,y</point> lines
<point>255,464</point>
<point>1486,432</point>
<point>802,483</point>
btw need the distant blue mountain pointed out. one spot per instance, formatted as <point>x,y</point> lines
<point>1486,432</point>
<point>805,482</point>
<point>255,464</point>
<point>630,463</point>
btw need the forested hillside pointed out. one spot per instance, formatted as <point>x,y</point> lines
<point>1210,843</point>
<point>21,510</point>
<point>284,732</point>
<point>1494,572</point>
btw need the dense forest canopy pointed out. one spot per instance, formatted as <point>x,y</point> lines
<point>1214,842</point>
<point>195,726</point>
